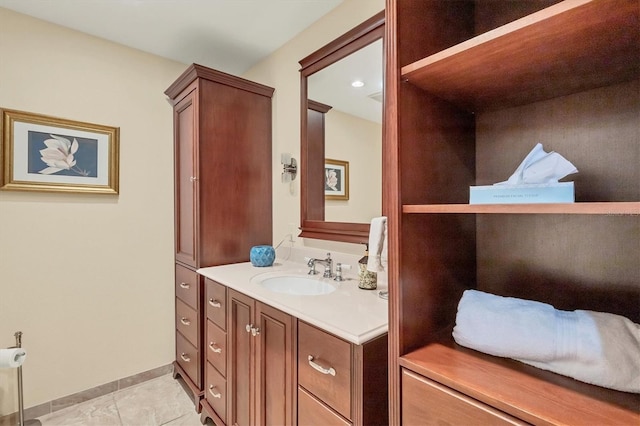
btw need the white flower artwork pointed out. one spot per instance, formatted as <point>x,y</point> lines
<point>59,155</point>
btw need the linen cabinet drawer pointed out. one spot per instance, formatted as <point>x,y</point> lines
<point>189,358</point>
<point>313,412</point>
<point>216,392</point>
<point>216,347</point>
<point>216,303</point>
<point>187,286</point>
<point>324,367</point>
<point>425,402</point>
<point>187,322</point>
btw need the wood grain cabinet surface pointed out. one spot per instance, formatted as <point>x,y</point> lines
<point>341,382</point>
<point>214,404</point>
<point>261,364</point>
<point>470,88</point>
<point>219,214</point>
<point>428,403</point>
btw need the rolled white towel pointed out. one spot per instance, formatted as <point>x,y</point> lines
<point>594,347</point>
<point>617,367</point>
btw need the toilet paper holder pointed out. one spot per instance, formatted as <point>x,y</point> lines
<point>33,422</point>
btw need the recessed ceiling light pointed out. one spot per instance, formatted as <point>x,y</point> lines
<point>357,83</point>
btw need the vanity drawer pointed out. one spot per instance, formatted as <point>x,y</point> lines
<point>313,412</point>
<point>324,367</point>
<point>216,348</point>
<point>215,304</point>
<point>189,358</point>
<point>426,402</point>
<point>187,286</point>
<point>187,322</point>
<point>216,392</point>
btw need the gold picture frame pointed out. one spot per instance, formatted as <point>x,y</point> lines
<point>43,153</point>
<point>336,179</point>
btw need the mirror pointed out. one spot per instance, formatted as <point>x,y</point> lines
<point>341,135</point>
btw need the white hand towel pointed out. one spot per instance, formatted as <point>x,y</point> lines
<point>594,347</point>
<point>378,245</point>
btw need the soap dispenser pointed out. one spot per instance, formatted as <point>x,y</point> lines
<point>367,280</point>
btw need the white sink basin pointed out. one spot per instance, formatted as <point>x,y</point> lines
<point>298,285</point>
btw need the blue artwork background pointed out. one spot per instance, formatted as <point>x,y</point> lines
<point>86,157</point>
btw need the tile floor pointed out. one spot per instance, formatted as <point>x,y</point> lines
<point>157,402</point>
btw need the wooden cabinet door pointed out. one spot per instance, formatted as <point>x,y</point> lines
<point>274,358</point>
<point>425,402</point>
<point>241,368</point>
<point>185,116</point>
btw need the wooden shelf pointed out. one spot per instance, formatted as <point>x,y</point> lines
<point>604,208</point>
<point>567,48</point>
<point>531,394</point>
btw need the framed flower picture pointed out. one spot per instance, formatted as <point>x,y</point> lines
<point>336,179</point>
<point>42,153</point>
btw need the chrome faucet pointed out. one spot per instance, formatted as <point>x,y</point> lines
<point>328,266</point>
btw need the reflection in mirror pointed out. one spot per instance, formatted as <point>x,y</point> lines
<point>341,135</point>
<point>352,88</point>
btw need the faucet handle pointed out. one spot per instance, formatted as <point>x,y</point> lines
<point>339,268</point>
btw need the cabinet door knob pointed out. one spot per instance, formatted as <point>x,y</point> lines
<point>215,303</point>
<point>185,286</point>
<point>184,357</point>
<point>320,366</point>
<point>248,328</point>
<point>193,178</point>
<point>185,321</point>
<point>214,392</point>
<point>215,348</point>
<point>255,331</point>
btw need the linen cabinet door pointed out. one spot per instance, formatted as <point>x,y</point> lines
<point>240,367</point>
<point>185,116</point>
<point>274,358</point>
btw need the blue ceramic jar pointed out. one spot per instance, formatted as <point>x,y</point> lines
<point>262,255</point>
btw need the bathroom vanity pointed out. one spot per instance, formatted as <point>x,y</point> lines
<point>283,358</point>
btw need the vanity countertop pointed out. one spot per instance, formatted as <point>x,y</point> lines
<point>350,313</point>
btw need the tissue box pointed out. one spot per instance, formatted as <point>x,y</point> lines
<point>561,192</point>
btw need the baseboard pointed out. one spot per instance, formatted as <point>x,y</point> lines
<point>85,395</point>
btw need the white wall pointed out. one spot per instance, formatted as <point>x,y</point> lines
<point>281,70</point>
<point>358,141</point>
<point>88,279</point>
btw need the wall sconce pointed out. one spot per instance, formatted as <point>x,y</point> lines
<point>289,168</point>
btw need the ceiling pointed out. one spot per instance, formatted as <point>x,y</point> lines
<point>228,35</point>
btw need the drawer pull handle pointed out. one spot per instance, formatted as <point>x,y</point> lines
<point>184,357</point>
<point>214,392</point>
<point>316,365</point>
<point>215,348</point>
<point>185,321</point>
<point>215,303</point>
<point>186,286</point>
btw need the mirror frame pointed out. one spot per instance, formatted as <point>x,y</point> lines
<point>362,35</point>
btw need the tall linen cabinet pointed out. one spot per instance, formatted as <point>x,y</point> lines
<point>471,87</point>
<point>222,148</point>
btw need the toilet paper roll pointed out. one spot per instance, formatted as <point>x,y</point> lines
<point>12,357</point>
